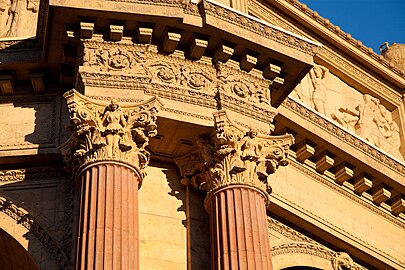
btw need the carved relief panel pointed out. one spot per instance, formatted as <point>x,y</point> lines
<point>361,114</point>
<point>18,18</point>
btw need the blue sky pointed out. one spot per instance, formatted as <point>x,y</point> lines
<point>371,21</point>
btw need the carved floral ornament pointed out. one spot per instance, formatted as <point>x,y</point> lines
<point>232,155</point>
<point>103,131</point>
<point>137,63</point>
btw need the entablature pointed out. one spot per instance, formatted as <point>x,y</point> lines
<point>208,29</point>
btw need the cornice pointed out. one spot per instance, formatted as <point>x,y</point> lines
<point>399,221</point>
<point>367,81</point>
<point>260,27</point>
<point>342,40</point>
<point>345,136</point>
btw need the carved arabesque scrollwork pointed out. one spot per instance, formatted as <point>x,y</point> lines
<point>109,132</point>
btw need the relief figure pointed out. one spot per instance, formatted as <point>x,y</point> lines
<point>18,18</point>
<point>114,122</point>
<point>318,76</point>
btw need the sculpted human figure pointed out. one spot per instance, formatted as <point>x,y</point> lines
<point>114,122</point>
<point>366,126</point>
<point>18,17</point>
<point>250,152</point>
<point>318,74</point>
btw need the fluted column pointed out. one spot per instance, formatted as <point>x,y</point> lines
<point>239,235</point>
<point>107,154</point>
<point>108,232</point>
<point>233,165</point>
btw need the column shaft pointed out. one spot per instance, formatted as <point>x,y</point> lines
<point>108,225</point>
<point>239,234</point>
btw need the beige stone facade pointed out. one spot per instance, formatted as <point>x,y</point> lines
<point>197,135</point>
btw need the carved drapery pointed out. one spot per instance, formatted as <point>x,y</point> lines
<point>233,155</point>
<point>109,132</point>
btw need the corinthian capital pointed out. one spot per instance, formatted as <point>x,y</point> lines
<point>109,132</point>
<point>233,155</point>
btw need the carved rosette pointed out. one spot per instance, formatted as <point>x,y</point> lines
<point>109,132</point>
<point>233,155</point>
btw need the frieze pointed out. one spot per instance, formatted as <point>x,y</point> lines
<point>192,9</point>
<point>138,68</point>
<point>119,99</point>
<point>30,174</point>
<point>12,175</point>
<point>243,85</point>
<point>343,135</point>
<point>23,217</point>
<point>194,115</point>
<point>174,3</point>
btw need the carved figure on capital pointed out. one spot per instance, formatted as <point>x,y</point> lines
<point>109,132</point>
<point>232,155</point>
